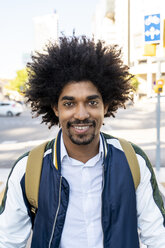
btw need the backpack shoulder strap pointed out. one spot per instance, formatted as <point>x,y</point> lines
<point>132,160</point>
<point>33,174</point>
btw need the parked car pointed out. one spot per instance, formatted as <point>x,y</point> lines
<point>10,108</point>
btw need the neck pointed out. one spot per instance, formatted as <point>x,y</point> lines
<point>83,152</point>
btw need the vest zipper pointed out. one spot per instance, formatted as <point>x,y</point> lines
<point>54,224</point>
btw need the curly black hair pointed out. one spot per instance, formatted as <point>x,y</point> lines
<point>76,59</point>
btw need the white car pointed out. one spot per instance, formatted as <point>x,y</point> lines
<point>10,108</point>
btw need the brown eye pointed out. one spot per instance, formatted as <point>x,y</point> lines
<point>68,104</point>
<point>93,103</point>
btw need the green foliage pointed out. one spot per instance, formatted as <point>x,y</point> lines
<point>18,83</point>
<point>135,83</point>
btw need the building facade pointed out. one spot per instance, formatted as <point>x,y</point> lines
<point>122,22</point>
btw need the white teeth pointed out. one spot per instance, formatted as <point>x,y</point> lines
<point>82,128</point>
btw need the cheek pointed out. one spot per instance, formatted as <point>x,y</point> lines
<point>99,117</point>
<point>64,118</point>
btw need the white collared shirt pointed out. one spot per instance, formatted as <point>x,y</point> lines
<point>83,228</point>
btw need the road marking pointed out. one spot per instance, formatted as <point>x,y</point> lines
<point>8,145</point>
<point>9,142</point>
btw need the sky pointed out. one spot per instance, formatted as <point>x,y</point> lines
<point>17,28</point>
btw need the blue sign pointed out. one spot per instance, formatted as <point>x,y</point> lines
<point>152,28</point>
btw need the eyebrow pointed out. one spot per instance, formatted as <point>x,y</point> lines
<point>71,98</point>
<point>92,97</point>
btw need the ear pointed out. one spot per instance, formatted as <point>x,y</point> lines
<point>105,109</point>
<point>55,109</point>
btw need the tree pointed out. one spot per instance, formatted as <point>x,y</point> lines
<point>135,83</point>
<point>18,83</point>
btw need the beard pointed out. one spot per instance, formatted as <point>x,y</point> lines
<point>81,139</point>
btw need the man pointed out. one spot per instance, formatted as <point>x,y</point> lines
<point>87,196</point>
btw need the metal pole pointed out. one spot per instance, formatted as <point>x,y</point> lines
<point>158,122</point>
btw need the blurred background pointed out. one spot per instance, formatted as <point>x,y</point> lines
<point>137,26</point>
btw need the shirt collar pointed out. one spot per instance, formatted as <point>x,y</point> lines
<point>65,154</point>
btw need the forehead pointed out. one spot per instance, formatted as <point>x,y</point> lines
<point>77,89</point>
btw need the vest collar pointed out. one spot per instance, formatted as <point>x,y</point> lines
<point>57,149</point>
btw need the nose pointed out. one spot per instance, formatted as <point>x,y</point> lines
<point>81,112</point>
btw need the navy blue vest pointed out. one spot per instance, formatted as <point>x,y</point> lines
<point>119,215</point>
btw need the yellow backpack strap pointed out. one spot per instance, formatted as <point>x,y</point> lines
<point>132,160</point>
<point>33,174</point>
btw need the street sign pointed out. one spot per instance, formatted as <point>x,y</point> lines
<point>152,28</point>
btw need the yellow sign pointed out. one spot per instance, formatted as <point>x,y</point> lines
<point>158,88</point>
<point>149,50</point>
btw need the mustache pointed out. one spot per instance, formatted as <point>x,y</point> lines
<point>84,122</point>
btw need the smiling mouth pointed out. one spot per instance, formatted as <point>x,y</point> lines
<point>81,125</point>
<point>81,129</point>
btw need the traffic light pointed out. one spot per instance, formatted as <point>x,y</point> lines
<point>158,88</point>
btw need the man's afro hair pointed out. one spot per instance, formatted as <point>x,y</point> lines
<point>76,59</point>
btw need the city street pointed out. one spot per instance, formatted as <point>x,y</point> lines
<point>137,123</point>
<point>49,43</point>
<point>19,135</point>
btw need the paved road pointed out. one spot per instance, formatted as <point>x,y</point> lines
<point>137,123</point>
<point>20,134</point>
